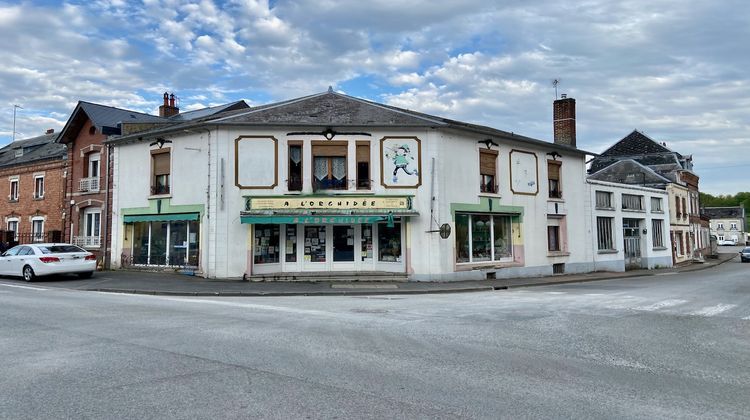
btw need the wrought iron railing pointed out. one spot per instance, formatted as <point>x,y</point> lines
<point>89,184</point>
<point>87,241</point>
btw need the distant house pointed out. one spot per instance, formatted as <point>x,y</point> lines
<point>639,160</point>
<point>34,172</point>
<point>727,223</point>
<point>89,190</point>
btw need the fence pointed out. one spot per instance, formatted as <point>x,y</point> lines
<point>11,238</point>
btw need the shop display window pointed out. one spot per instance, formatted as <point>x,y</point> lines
<point>389,242</point>
<point>266,244</point>
<point>315,244</point>
<point>483,238</point>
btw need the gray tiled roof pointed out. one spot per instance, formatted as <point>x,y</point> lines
<point>34,149</point>
<point>629,171</point>
<point>208,111</point>
<point>635,143</point>
<point>724,212</point>
<point>331,109</point>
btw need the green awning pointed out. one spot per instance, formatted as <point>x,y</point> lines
<point>167,217</point>
<point>306,217</point>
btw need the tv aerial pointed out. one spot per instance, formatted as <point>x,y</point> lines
<point>556,82</point>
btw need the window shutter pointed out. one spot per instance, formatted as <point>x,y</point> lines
<point>553,169</point>
<point>363,153</point>
<point>487,163</point>
<point>161,164</point>
<point>329,150</point>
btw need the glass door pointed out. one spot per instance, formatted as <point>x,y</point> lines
<point>315,248</point>
<point>343,247</point>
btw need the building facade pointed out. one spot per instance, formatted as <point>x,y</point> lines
<point>630,226</point>
<point>34,174</point>
<point>334,184</point>
<point>727,224</point>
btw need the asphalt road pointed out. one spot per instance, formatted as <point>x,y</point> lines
<point>671,346</point>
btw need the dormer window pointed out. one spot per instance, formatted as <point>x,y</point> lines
<point>92,130</point>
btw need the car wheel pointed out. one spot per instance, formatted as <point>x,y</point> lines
<point>85,275</point>
<point>28,273</point>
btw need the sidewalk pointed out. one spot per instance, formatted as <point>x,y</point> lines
<point>175,284</point>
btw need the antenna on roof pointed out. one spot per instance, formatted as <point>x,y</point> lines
<point>556,82</point>
<point>14,120</point>
<point>330,89</point>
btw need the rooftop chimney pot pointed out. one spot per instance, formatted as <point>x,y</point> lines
<point>168,109</point>
<point>50,131</point>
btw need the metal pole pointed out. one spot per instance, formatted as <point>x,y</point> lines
<point>14,120</point>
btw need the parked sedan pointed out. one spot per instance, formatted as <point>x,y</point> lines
<point>32,260</point>
<point>745,254</point>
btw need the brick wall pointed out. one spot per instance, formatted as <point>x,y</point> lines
<point>50,206</point>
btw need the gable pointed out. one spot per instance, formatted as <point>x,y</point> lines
<point>629,172</point>
<point>635,143</point>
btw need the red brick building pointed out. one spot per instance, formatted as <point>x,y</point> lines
<point>33,172</point>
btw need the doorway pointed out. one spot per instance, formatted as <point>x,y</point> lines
<point>632,236</point>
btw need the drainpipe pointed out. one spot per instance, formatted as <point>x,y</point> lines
<point>108,210</point>
<point>208,200</point>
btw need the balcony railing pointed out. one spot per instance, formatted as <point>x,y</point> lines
<point>159,189</point>
<point>87,241</point>
<point>89,184</point>
<point>294,184</point>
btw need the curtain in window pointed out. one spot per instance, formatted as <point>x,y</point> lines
<point>295,154</point>
<point>320,169</point>
<point>338,168</point>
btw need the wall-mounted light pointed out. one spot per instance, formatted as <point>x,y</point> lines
<point>489,143</point>
<point>554,155</point>
<point>329,133</point>
<point>160,141</point>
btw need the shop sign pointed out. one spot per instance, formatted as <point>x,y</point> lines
<point>327,203</point>
<point>314,220</point>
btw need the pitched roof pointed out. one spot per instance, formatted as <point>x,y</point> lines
<point>209,111</point>
<point>724,212</point>
<point>630,171</point>
<point>332,109</point>
<point>635,143</point>
<point>32,149</point>
<point>108,119</point>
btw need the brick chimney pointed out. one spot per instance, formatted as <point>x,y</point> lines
<point>50,131</point>
<point>564,120</point>
<point>168,108</point>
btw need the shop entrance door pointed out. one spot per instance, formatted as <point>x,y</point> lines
<point>342,247</point>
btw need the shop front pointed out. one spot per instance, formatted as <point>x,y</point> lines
<point>326,234</point>
<point>164,240</point>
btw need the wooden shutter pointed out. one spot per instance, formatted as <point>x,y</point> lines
<point>363,152</point>
<point>329,149</point>
<point>487,162</point>
<point>553,170</point>
<point>161,164</point>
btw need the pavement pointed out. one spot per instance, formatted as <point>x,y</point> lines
<point>150,283</point>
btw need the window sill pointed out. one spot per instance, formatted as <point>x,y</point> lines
<point>659,248</point>
<point>341,192</point>
<point>489,194</point>
<point>657,211</point>
<point>468,266</point>
<point>10,200</point>
<point>38,198</point>
<point>634,211</point>
<point>556,199</point>
<point>605,208</point>
<point>608,251</point>
<point>558,253</point>
<point>158,196</point>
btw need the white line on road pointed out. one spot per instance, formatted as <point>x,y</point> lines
<point>661,305</point>
<point>747,318</point>
<point>22,287</point>
<point>555,293</point>
<point>714,310</point>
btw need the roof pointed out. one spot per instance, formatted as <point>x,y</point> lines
<point>724,212</point>
<point>332,109</point>
<point>635,143</point>
<point>33,149</point>
<point>629,171</point>
<point>108,119</point>
<point>209,111</point>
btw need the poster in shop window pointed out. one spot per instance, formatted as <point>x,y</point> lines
<point>400,162</point>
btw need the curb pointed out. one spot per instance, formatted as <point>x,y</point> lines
<point>375,292</point>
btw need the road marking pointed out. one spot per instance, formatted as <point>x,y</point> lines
<point>747,318</point>
<point>661,305</point>
<point>22,287</point>
<point>555,293</point>
<point>241,305</point>
<point>714,310</point>
<point>594,294</point>
<point>665,274</point>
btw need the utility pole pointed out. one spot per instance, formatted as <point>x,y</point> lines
<point>14,120</point>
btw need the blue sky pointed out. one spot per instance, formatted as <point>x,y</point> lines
<point>676,71</point>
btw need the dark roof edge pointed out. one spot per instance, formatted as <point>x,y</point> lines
<point>62,157</point>
<point>646,168</point>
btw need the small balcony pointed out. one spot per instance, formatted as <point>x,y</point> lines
<point>330,184</point>
<point>294,184</point>
<point>87,241</point>
<point>89,184</point>
<point>159,189</point>
<point>364,184</point>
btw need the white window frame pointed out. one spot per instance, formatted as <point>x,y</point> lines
<point>492,236</point>
<point>17,222</point>
<point>37,193</point>
<point>94,157</point>
<point>37,236</point>
<point>13,195</point>
<point>720,226</point>
<point>658,208</point>
<point>733,226</point>
<point>606,206</point>
<point>88,225</point>
<point>657,233</point>
<point>605,238</point>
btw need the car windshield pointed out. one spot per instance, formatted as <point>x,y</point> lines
<point>746,250</point>
<point>59,249</point>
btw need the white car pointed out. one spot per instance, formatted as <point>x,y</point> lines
<point>730,241</point>
<point>32,260</point>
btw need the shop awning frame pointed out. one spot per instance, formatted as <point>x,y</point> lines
<point>167,217</point>
<point>323,217</point>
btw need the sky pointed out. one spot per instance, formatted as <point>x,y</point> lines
<point>674,70</point>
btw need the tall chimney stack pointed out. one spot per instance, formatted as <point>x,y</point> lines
<point>169,108</point>
<point>564,120</point>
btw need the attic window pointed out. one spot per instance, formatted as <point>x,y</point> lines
<point>19,152</point>
<point>92,130</point>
